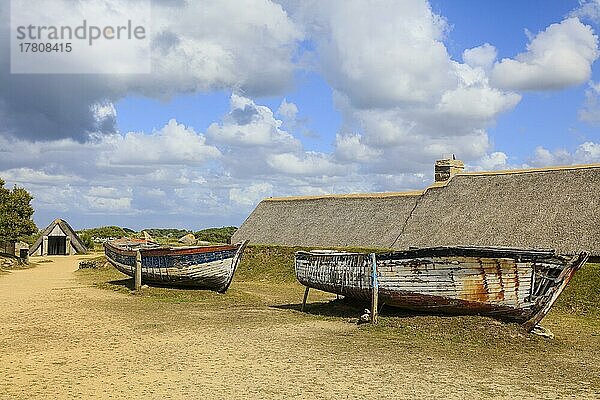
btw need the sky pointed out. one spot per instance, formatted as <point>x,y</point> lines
<point>249,99</point>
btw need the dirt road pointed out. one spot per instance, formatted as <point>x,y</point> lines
<point>59,339</point>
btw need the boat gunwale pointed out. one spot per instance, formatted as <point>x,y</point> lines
<point>451,251</point>
<point>169,251</point>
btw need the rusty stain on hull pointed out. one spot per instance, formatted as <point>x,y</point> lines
<point>512,284</point>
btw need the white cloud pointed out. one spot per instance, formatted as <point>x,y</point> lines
<point>308,164</point>
<point>103,111</point>
<point>404,103</point>
<point>156,193</point>
<point>106,204</point>
<point>490,162</point>
<point>109,199</point>
<point>218,44</point>
<point>556,58</point>
<point>103,191</point>
<point>174,144</point>
<point>588,9</point>
<point>585,153</point>
<point>174,171</point>
<point>250,125</point>
<point>288,110</point>
<point>32,176</point>
<point>590,112</point>
<point>381,54</point>
<point>197,46</point>
<point>397,86</point>
<point>352,148</point>
<point>252,194</point>
<point>482,56</point>
<point>480,103</point>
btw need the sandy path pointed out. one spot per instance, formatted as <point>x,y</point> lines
<point>62,340</point>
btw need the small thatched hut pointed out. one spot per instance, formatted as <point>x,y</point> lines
<point>57,239</point>
<point>555,208</point>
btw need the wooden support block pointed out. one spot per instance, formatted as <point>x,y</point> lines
<point>138,270</point>
<point>305,298</point>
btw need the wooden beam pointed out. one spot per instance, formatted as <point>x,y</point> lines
<point>305,297</point>
<point>138,270</point>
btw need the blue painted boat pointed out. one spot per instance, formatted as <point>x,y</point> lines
<point>207,267</point>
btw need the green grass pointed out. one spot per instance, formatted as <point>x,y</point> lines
<point>267,264</point>
<point>582,294</point>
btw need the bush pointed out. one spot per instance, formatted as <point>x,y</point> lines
<point>218,235</point>
<point>87,240</point>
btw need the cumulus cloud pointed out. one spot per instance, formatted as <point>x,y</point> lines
<point>251,195</point>
<point>112,174</point>
<point>380,54</point>
<point>173,144</point>
<point>590,112</point>
<point>474,100</point>
<point>249,125</point>
<point>482,56</point>
<point>308,164</point>
<point>33,176</point>
<point>585,153</point>
<point>588,9</point>
<point>490,162</point>
<point>352,148</point>
<point>176,171</point>
<point>556,58</point>
<point>109,199</point>
<point>403,99</point>
<point>288,110</point>
<point>397,86</point>
<point>196,47</point>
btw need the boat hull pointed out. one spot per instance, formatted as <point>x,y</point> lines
<point>201,267</point>
<point>511,284</point>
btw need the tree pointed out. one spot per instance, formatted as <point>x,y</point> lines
<point>87,240</point>
<point>15,213</point>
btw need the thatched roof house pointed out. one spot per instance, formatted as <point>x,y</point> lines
<point>57,239</point>
<point>538,208</point>
<point>369,220</point>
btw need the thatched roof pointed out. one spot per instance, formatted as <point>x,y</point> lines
<point>66,228</point>
<point>341,220</point>
<point>556,208</point>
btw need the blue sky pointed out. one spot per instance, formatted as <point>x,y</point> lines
<point>299,98</point>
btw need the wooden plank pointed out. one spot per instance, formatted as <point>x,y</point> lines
<point>138,270</point>
<point>305,297</point>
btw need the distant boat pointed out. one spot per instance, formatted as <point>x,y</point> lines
<point>208,267</point>
<point>511,284</point>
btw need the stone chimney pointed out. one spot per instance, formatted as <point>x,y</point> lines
<point>446,168</point>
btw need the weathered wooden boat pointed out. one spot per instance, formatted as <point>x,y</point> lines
<point>208,267</point>
<point>511,284</point>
